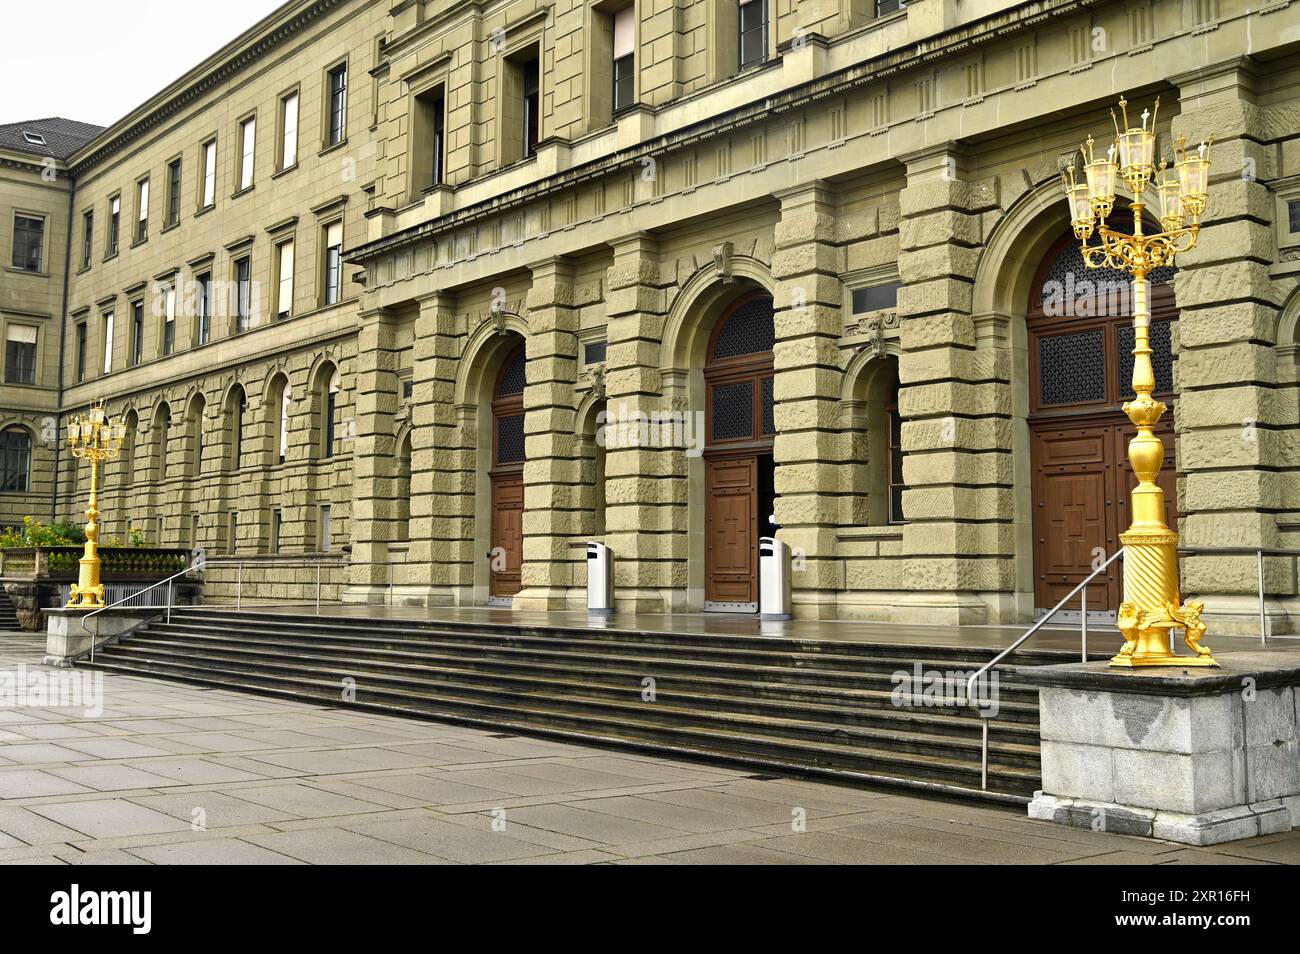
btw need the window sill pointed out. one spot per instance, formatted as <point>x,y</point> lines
<point>326,150</point>
<point>285,171</point>
<point>138,242</point>
<point>205,210</point>
<point>82,270</point>
<point>244,191</point>
<point>26,271</point>
<point>110,256</point>
<point>167,228</point>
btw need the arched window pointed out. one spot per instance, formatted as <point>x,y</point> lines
<point>162,423</point>
<point>280,397</point>
<point>194,436</point>
<point>236,405</point>
<point>127,454</point>
<point>15,460</point>
<point>402,488</point>
<point>325,401</point>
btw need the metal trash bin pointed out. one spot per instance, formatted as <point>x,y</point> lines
<point>773,579</point>
<point>600,580</point>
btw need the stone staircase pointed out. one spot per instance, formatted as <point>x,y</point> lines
<point>8,618</point>
<point>797,706</point>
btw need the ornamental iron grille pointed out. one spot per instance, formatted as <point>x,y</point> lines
<point>751,329</point>
<point>1072,367</point>
<point>738,372</point>
<point>510,439</point>
<point>733,410</point>
<point>513,376</point>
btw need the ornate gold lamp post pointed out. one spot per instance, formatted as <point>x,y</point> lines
<point>95,437</point>
<point>1152,605</point>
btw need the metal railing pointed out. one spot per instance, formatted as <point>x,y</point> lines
<point>1259,553</point>
<point>167,607</point>
<point>1081,590</point>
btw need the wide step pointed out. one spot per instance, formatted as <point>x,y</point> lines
<point>816,707</point>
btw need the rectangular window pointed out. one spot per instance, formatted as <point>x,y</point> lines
<point>247,144</point>
<point>137,332</point>
<point>108,343</point>
<point>333,262</point>
<point>29,242</point>
<point>438,146</point>
<point>289,131</point>
<point>875,297</point>
<point>1293,214</point>
<point>142,210</point>
<point>203,308</point>
<point>593,352</point>
<point>87,238</point>
<point>338,93</point>
<point>169,320</point>
<point>81,351</point>
<point>276,523</point>
<point>174,192</point>
<point>753,32</point>
<point>232,530</point>
<point>284,287</point>
<point>20,354</point>
<point>888,6</point>
<point>114,223</point>
<point>243,293</point>
<point>624,57</point>
<point>209,173</point>
<point>324,528</point>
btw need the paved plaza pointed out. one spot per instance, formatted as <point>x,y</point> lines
<point>175,774</point>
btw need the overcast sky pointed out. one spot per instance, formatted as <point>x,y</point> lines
<point>96,60</point>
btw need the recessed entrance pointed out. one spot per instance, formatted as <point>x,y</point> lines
<point>738,465</point>
<point>1080,369</point>
<point>507,475</point>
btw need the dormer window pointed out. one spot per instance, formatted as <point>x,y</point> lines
<point>36,139</point>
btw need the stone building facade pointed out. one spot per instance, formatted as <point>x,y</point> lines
<point>795,263</point>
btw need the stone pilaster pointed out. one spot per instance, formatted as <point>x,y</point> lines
<point>441,557</point>
<point>1228,415</point>
<point>552,473</point>
<point>956,403</point>
<point>645,520</point>
<point>808,446</point>
<point>374,454</point>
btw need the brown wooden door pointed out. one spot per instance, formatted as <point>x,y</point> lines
<point>1075,513</point>
<point>731,532</point>
<point>507,533</point>
<point>1081,486</point>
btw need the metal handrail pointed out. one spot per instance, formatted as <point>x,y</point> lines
<point>1083,630</point>
<point>1259,554</point>
<point>126,599</point>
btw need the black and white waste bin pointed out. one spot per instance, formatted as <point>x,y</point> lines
<point>773,579</point>
<point>600,580</point>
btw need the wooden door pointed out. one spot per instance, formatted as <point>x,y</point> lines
<point>1075,511</point>
<point>731,532</point>
<point>507,533</point>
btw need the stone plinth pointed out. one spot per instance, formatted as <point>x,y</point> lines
<point>67,637</point>
<point>1194,756</point>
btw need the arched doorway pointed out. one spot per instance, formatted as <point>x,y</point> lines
<point>1080,342</point>
<point>507,476</point>
<point>739,428</point>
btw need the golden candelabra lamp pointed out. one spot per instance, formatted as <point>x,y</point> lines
<point>1152,605</point>
<point>96,437</point>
